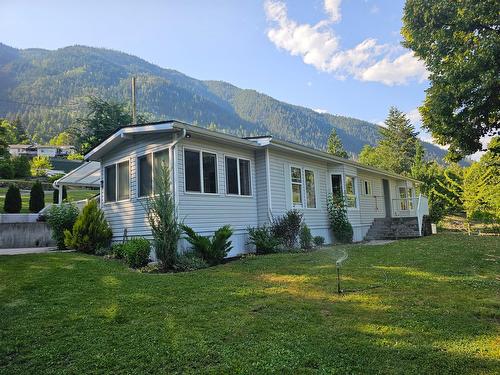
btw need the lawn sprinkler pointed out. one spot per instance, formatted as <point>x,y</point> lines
<point>338,263</point>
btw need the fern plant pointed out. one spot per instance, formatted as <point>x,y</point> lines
<point>213,249</point>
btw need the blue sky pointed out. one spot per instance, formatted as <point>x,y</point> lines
<point>341,56</point>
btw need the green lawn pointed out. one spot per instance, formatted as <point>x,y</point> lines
<point>73,194</point>
<point>425,306</point>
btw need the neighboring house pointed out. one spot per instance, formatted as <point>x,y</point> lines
<point>221,179</point>
<point>22,150</point>
<point>41,150</point>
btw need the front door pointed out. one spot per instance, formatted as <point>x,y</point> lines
<point>387,197</point>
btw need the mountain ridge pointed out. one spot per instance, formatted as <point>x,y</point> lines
<point>59,80</point>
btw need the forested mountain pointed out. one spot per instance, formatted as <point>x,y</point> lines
<point>47,90</point>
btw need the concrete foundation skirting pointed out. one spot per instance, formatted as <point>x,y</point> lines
<point>15,235</point>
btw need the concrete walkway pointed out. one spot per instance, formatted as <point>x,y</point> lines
<point>26,250</point>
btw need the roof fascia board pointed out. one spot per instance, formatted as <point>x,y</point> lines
<point>322,155</point>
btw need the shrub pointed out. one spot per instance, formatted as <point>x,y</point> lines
<point>117,250</point>
<point>13,202</point>
<point>6,169</point>
<point>136,252</point>
<point>37,197</point>
<point>286,228</point>
<point>21,165</point>
<point>55,195</point>
<point>162,218</point>
<point>305,237</point>
<point>337,213</point>
<point>263,240</point>
<point>319,240</point>
<point>55,177</point>
<point>213,250</point>
<point>90,232</point>
<point>61,218</point>
<point>189,262</point>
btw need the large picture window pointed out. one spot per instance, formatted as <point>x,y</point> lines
<point>116,180</point>
<point>350,192</point>
<point>303,187</point>
<point>148,167</point>
<point>238,176</point>
<point>200,171</point>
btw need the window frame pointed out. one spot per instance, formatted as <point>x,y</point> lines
<point>303,191</point>
<point>138,175</point>
<point>238,176</point>
<point>115,164</point>
<point>356,192</point>
<point>200,152</point>
<point>367,183</point>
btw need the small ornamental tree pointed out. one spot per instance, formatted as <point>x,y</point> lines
<point>37,197</point>
<point>337,214</point>
<point>13,203</point>
<point>55,195</point>
<point>39,166</point>
<point>90,232</point>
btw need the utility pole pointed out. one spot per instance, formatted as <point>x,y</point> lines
<point>134,119</point>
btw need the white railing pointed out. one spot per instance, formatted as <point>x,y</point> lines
<point>404,207</point>
<point>422,209</point>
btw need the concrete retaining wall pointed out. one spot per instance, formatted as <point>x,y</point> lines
<point>18,218</point>
<point>14,235</point>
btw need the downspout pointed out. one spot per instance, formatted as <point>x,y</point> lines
<point>55,185</point>
<point>268,180</point>
<point>173,162</point>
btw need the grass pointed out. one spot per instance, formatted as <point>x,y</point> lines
<point>422,306</point>
<point>73,194</point>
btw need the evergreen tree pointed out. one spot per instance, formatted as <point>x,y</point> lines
<point>13,202</point>
<point>37,197</point>
<point>334,145</point>
<point>397,148</point>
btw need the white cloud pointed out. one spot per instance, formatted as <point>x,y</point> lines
<point>319,46</point>
<point>332,8</point>
<point>374,9</point>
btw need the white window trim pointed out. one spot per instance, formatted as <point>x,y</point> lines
<point>115,163</point>
<point>303,184</point>
<point>315,188</point>
<point>356,191</point>
<point>363,190</point>
<point>137,172</point>
<point>202,188</point>
<point>238,158</point>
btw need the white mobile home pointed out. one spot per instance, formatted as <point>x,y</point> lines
<point>222,179</point>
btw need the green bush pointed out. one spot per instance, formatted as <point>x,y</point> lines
<point>136,252</point>
<point>263,240</point>
<point>90,232</point>
<point>6,169</point>
<point>319,240</point>
<point>339,223</point>
<point>305,237</point>
<point>189,262</point>
<point>286,228</point>
<point>117,250</point>
<point>61,218</point>
<point>55,195</point>
<point>37,197</point>
<point>13,202</point>
<point>211,249</point>
<point>21,165</point>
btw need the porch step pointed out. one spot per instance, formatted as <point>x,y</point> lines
<point>393,228</point>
